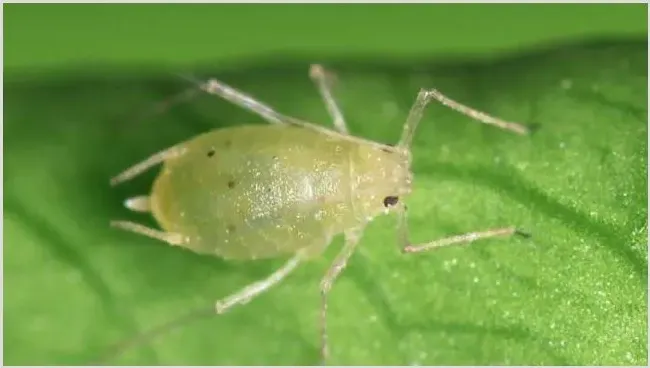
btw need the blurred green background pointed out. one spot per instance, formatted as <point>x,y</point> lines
<point>47,36</point>
<point>80,81</point>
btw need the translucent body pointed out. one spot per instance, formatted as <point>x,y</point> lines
<point>260,191</point>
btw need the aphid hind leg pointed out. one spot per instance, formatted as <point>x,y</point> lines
<point>148,163</point>
<point>351,240</point>
<point>243,100</point>
<point>244,295</point>
<point>424,97</point>
<point>323,80</point>
<point>169,238</point>
<point>407,247</point>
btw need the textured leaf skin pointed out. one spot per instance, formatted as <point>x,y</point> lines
<point>574,294</point>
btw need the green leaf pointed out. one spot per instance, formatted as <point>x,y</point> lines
<point>574,294</point>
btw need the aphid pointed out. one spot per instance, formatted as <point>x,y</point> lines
<point>285,189</point>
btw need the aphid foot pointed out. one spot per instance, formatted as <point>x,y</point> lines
<point>523,234</point>
<point>316,71</point>
<point>533,127</point>
<point>219,308</point>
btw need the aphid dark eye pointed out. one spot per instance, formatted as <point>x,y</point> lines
<point>390,201</point>
<point>211,153</point>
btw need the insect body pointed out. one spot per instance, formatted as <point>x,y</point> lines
<point>236,196</point>
<point>284,189</point>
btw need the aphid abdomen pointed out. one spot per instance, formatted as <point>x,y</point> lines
<point>256,191</point>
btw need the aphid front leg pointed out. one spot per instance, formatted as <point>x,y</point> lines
<point>323,80</point>
<point>244,295</point>
<point>170,238</point>
<point>145,165</point>
<point>239,98</point>
<point>407,247</point>
<point>351,240</point>
<point>424,97</point>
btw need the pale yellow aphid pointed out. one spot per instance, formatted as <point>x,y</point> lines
<point>285,189</point>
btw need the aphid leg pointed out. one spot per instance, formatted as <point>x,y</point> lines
<point>478,115</point>
<point>170,238</point>
<point>239,98</point>
<point>323,80</point>
<point>407,247</point>
<point>244,295</point>
<point>351,240</point>
<point>424,97</point>
<point>145,165</point>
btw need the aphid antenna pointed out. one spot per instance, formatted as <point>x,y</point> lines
<point>168,102</point>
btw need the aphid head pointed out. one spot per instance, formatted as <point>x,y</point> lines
<point>381,178</point>
<point>390,175</point>
<point>399,176</point>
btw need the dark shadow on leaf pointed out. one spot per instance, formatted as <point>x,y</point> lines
<point>508,182</point>
<point>62,250</point>
<point>640,113</point>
